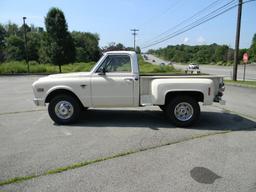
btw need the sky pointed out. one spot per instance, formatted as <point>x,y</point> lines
<point>113,19</point>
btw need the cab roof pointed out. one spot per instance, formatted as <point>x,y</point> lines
<point>120,52</point>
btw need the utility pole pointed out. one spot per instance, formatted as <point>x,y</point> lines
<point>238,27</point>
<point>25,39</point>
<point>134,40</point>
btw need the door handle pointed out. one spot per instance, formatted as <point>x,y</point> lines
<point>128,79</point>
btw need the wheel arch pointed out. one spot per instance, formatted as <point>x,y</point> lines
<point>61,91</point>
<point>197,95</point>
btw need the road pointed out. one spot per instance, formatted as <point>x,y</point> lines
<point>215,70</point>
<point>173,159</point>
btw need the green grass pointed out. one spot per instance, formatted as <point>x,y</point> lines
<point>251,84</point>
<point>16,67</point>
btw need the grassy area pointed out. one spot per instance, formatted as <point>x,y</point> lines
<point>146,67</point>
<point>21,67</point>
<point>251,84</point>
<point>15,67</point>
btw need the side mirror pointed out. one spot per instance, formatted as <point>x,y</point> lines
<point>102,71</point>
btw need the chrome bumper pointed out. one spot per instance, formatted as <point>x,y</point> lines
<point>39,102</point>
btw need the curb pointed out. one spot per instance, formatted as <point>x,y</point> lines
<point>240,85</point>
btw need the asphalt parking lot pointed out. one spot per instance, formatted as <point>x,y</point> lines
<point>153,154</point>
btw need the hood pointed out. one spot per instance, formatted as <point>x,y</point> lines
<point>65,75</point>
<point>69,75</point>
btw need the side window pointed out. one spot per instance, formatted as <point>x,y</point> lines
<point>116,63</point>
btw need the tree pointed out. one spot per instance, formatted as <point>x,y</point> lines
<point>138,50</point>
<point>33,45</point>
<point>117,47</point>
<point>2,35</point>
<point>44,52</point>
<point>2,44</point>
<point>87,46</point>
<point>252,50</point>
<point>113,47</point>
<point>61,47</point>
<point>23,27</point>
<point>13,29</point>
<point>202,54</point>
<point>221,53</point>
<point>15,48</point>
<point>69,49</point>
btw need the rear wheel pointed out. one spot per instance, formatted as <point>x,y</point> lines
<point>183,111</point>
<point>64,109</point>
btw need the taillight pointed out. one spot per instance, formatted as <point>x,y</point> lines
<point>209,91</point>
<point>222,87</point>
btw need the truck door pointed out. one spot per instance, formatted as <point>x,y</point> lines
<point>112,83</point>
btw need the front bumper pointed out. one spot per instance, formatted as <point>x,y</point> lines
<point>39,102</point>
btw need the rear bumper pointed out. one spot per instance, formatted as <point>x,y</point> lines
<point>222,102</point>
<point>219,100</point>
<point>218,97</point>
<point>39,102</point>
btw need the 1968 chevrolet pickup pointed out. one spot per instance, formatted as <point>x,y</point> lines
<point>115,81</point>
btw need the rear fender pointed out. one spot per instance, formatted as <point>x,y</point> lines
<point>161,87</point>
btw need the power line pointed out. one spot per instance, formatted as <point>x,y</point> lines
<point>185,20</point>
<point>201,19</point>
<point>171,7</point>
<point>205,19</point>
<point>248,1</point>
<point>191,26</point>
<point>195,22</point>
<point>134,39</point>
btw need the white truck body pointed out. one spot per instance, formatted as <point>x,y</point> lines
<point>125,88</point>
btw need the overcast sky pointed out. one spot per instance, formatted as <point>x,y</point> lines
<point>113,19</point>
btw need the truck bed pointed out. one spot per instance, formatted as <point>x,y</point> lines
<point>145,80</point>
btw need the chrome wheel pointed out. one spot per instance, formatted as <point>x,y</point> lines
<point>64,109</point>
<point>183,111</point>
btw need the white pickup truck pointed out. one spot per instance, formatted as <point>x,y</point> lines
<point>115,81</point>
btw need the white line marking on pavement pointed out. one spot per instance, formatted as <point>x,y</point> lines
<point>66,132</point>
<point>35,122</point>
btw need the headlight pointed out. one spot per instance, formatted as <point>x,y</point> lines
<point>40,89</point>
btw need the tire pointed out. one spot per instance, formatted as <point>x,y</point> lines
<point>183,111</point>
<point>64,109</point>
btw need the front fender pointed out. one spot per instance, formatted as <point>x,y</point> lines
<point>58,87</point>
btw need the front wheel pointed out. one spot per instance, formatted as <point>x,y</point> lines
<point>64,109</point>
<point>183,111</point>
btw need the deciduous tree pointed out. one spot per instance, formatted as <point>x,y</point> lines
<point>61,47</point>
<point>252,51</point>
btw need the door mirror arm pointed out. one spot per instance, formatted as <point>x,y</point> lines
<point>102,71</point>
